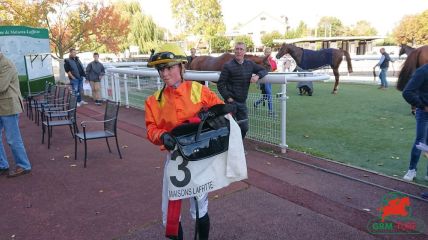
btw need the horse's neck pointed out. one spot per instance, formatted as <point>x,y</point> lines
<point>296,53</point>
<point>408,50</point>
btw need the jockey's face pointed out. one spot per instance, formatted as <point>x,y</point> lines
<point>240,52</point>
<point>171,75</point>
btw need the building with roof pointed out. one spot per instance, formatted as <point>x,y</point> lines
<point>257,26</point>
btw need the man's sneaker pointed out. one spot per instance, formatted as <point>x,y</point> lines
<point>83,102</point>
<point>78,104</point>
<point>410,175</point>
<point>97,102</point>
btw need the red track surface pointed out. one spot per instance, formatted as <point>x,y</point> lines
<point>120,199</point>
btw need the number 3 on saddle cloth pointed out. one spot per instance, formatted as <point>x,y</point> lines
<point>208,156</point>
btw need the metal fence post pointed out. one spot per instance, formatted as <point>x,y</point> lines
<point>103,86</point>
<point>117,87</point>
<point>158,83</point>
<point>138,82</point>
<point>125,78</point>
<point>284,116</point>
<point>113,87</point>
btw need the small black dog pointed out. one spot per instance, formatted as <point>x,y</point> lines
<point>305,90</point>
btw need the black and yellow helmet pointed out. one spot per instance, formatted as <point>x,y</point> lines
<point>168,54</point>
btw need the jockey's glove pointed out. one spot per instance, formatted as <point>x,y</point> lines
<point>168,141</point>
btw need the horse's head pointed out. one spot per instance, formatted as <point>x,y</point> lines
<point>282,51</point>
<point>266,64</point>
<point>402,50</point>
<point>262,61</point>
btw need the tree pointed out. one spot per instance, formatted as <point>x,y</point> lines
<point>199,17</point>
<point>143,30</point>
<point>301,31</point>
<point>267,39</point>
<point>361,28</point>
<point>330,27</point>
<point>422,31</point>
<point>406,31</point>
<point>220,44</point>
<point>245,39</point>
<point>86,26</point>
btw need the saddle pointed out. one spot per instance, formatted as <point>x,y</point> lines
<point>210,137</point>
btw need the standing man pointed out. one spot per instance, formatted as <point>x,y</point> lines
<point>95,72</point>
<point>74,69</point>
<point>234,82</point>
<point>10,107</point>
<point>383,65</point>
<point>192,55</point>
<point>177,102</point>
<point>266,88</point>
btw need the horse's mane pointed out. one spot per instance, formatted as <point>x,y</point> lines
<point>409,66</point>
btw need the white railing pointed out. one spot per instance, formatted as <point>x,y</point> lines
<point>133,86</point>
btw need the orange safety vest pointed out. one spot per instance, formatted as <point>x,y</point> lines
<point>175,107</point>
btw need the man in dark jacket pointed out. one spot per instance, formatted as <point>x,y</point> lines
<point>234,82</point>
<point>383,65</point>
<point>74,69</point>
<point>94,73</point>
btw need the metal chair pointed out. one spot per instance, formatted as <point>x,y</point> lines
<point>109,131</point>
<point>70,120</point>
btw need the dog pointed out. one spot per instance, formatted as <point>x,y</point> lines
<point>305,89</point>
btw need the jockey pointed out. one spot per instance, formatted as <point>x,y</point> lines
<point>177,102</point>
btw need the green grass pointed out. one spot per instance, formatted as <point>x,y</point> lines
<point>361,126</point>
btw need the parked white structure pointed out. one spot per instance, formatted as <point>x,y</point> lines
<point>260,24</point>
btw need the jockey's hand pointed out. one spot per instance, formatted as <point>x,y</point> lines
<point>168,141</point>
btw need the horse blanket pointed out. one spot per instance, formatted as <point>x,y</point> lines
<point>316,59</point>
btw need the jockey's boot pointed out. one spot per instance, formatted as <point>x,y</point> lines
<point>204,227</point>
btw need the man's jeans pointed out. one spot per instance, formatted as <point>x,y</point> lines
<point>266,95</point>
<point>242,114</point>
<point>421,136</point>
<point>382,77</point>
<point>10,124</point>
<point>77,85</point>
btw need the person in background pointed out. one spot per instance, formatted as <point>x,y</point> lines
<point>192,55</point>
<point>74,69</point>
<point>10,107</point>
<point>234,82</point>
<point>383,65</point>
<point>177,102</point>
<point>416,94</point>
<point>95,71</point>
<point>266,88</point>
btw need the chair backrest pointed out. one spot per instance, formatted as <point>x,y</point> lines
<point>61,95</point>
<point>112,111</point>
<point>52,94</point>
<point>72,107</point>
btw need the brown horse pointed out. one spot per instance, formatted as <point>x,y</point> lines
<point>415,59</point>
<point>404,49</point>
<point>209,63</point>
<point>309,60</point>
